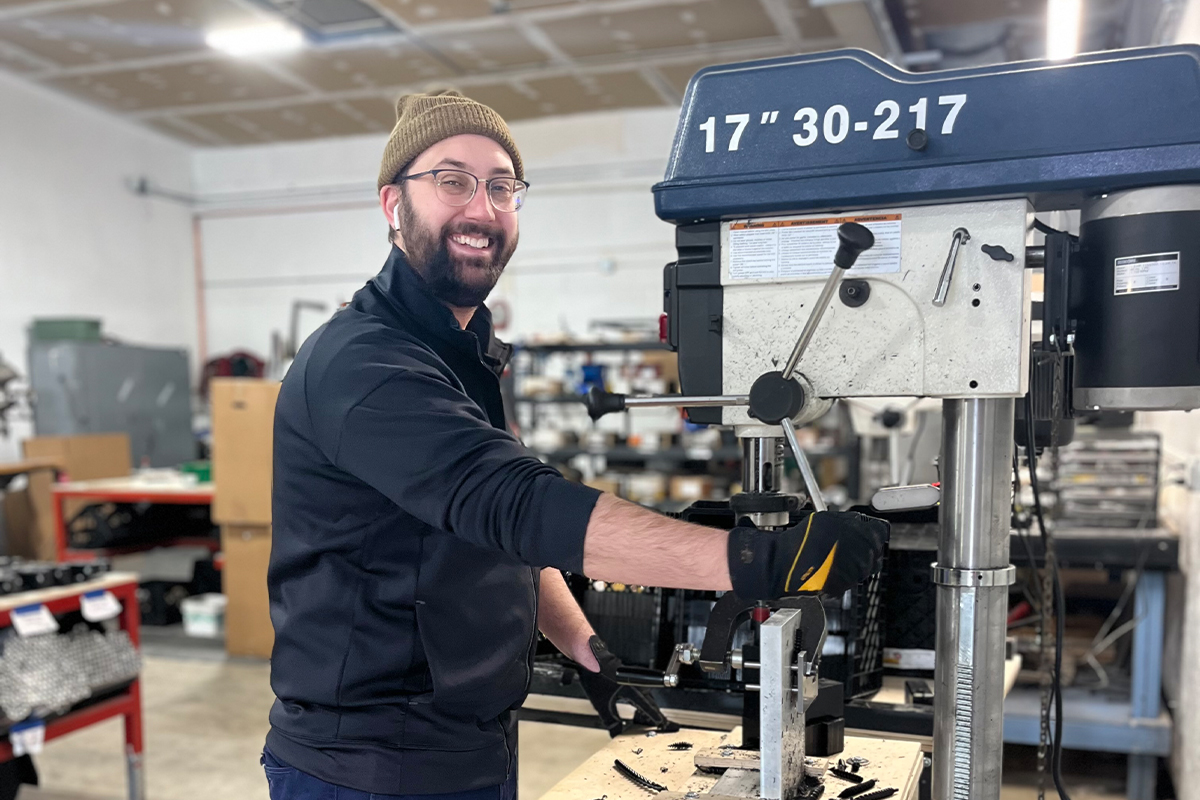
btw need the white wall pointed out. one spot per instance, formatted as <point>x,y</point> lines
<point>74,241</point>
<point>299,222</point>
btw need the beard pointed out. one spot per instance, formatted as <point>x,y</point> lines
<point>456,280</point>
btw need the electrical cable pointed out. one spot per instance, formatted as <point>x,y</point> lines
<point>1059,601</point>
<point>1044,228</point>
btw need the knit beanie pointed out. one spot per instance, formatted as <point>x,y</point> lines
<point>423,120</point>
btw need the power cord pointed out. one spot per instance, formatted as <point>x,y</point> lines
<point>1059,603</point>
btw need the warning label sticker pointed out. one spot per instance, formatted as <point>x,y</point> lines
<point>804,248</point>
<point>1154,272</point>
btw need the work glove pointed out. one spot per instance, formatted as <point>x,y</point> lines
<point>604,692</point>
<point>828,551</point>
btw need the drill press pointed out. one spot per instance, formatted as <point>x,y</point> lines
<point>929,185</point>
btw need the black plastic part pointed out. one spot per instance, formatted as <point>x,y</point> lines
<point>1062,258</point>
<point>854,292</point>
<point>599,402</point>
<point>917,139</point>
<point>747,503</point>
<point>853,238</point>
<point>891,418</point>
<point>825,737</point>
<point>996,252</point>
<point>693,302</point>
<point>727,614</point>
<point>774,398</point>
<point>918,692</point>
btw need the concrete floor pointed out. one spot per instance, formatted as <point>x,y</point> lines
<point>206,718</point>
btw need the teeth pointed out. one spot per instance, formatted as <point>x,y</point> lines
<point>472,241</point>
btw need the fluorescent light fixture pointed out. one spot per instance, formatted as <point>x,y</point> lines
<point>1063,20</point>
<point>252,40</point>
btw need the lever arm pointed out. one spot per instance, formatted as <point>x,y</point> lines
<point>810,480</point>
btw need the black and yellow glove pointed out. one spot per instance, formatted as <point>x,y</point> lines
<point>828,551</point>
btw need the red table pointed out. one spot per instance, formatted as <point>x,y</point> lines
<point>127,704</point>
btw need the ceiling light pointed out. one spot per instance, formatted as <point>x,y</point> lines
<point>272,37</point>
<point>1063,18</point>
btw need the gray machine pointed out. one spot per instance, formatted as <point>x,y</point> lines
<point>783,168</point>
<point>97,387</point>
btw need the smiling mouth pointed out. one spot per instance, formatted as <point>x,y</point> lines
<point>472,242</point>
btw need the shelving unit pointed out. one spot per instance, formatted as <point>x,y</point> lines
<point>126,702</point>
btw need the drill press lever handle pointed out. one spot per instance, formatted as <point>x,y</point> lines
<point>599,402</point>
<point>960,236</point>
<point>810,480</point>
<point>853,239</point>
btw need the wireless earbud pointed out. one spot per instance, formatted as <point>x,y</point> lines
<point>396,218</point>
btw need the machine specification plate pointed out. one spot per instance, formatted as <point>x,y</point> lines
<point>803,248</point>
<point>1154,272</point>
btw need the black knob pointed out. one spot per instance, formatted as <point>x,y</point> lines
<point>774,398</point>
<point>917,139</point>
<point>891,418</point>
<point>599,402</point>
<point>852,240</point>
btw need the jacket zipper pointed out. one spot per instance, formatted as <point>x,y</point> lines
<point>528,666</point>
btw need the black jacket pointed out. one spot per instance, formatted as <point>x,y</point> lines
<point>409,527</point>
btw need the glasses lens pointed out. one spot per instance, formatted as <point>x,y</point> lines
<point>507,194</point>
<point>455,188</point>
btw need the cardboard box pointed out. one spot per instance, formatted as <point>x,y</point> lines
<point>80,458</point>
<point>247,551</point>
<point>243,420</point>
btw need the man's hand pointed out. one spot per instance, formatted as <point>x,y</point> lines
<point>604,692</point>
<point>829,551</point>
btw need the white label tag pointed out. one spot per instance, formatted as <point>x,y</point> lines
<point>33,620</point>
<point>803,248</point>
<point>27,738</point>
<point>99,606</point>
<point>1153,272</point>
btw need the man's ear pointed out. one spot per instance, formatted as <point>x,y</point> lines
<point>389,203</point>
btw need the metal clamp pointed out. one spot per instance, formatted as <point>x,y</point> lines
<point>969,578</point>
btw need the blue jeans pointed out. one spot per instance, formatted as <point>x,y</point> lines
<point>288,783</point>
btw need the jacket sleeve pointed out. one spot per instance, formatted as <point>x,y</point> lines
<point>423,443</point>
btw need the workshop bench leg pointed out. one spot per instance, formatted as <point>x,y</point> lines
<point>1150,605</point>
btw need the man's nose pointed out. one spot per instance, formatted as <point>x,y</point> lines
<point>480,208</point>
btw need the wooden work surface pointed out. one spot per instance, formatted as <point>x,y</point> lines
<point>893,763</point>
<point>136,484</point>
<point>10,601</point>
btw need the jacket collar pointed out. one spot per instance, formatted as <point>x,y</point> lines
<point>407,294</point>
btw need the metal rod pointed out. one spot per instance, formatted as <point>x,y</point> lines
<point>968,728</point>
<point>814,319</point>
<point>701,401</point>
<point>810,480</point>
<point>943,288</point>
<point>1035,257</point>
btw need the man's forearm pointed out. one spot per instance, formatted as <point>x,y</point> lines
<point>561,620</point>
<point>630,544</point>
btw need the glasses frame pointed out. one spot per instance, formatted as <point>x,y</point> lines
<point>486,182</point>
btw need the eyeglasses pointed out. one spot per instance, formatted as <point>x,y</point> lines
<point>457,188</point>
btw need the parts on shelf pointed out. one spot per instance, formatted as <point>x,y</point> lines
<point>131,524</point>
<point>1108,479</point>
<point>17,575</point>
<point>48,674</point>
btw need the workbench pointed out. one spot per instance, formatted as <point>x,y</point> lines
<point>893,763</point>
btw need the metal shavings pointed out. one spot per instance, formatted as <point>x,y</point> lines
<point>858,761</point>
<point>680,746</point>
<point>633,776</point>
<point>848,777</point>
<point>814,793</point>
<point>662,769</point>
<point>882,794</point>
<point>651,733</point>
<point>854,791</point>
<point>637,751</point>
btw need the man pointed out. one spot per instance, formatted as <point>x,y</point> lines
<point>417,544</point>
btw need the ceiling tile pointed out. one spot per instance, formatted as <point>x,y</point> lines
<point>302,121</point>
<point>812,22</point>
<point>678,75</point>
<point>177,85</point>
<point>486,51</point>
<point>365,68</point>
<point>567,95</point>
<point>172,127</point>
<point>374,112</point>
<point>946,13</point>
<point>661,27</point>
<point>419,12</point>
<point>123,30</point>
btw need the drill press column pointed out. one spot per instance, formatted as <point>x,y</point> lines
<point>973,575</point>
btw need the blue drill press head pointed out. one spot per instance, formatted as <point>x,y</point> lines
<point>845,129</point>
